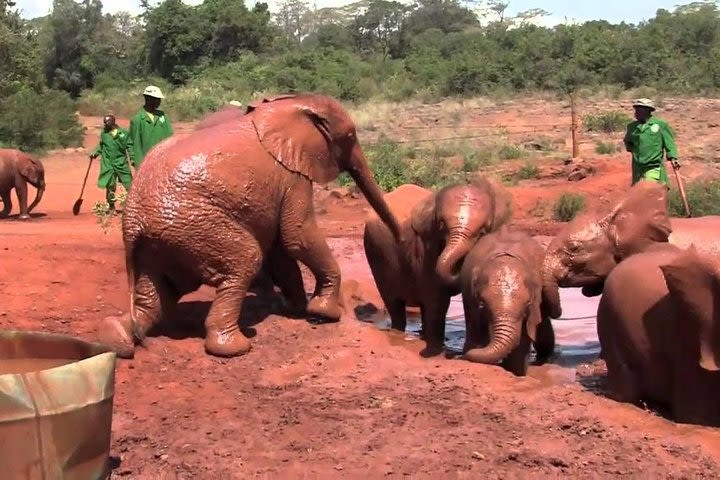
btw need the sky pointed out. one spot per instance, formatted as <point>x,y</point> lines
<point>614,11</point>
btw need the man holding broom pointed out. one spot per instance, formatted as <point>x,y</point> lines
<point>649,139</point>
<point>113,152</point>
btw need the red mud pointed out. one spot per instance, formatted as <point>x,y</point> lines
<point>342,400</point>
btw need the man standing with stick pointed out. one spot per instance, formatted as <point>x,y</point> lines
<point>113,150</point>
<point>649,139</point>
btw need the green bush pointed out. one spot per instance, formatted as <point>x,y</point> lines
<point>35,122</point>
<point>387,163</point>
<point>568,206</point>
<point>703,199</point>
<point>528,171</point>
<point>607,122</point>
<point>605,148</point>
<point>510,152</point>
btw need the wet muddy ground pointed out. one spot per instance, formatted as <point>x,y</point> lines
<point>345,400</point>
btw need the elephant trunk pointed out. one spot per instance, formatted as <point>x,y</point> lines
<point>363,177</point>
<point>38,195</point>
<point>550,287</point>
<point>504,337</point>
<point>450,261</point>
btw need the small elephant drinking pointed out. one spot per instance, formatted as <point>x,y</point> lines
<point>503,303</point>
<point>589,247</point>
<point>210,207</point>
<point>439,229</point>
<point>17,170</point>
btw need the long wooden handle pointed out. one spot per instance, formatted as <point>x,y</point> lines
<point>681,187</point>
<point>87,172</point>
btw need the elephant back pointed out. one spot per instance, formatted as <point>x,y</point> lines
<point>403,201</point>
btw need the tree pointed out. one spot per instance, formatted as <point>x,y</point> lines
<point>378,30</point>
<point>295,20</point>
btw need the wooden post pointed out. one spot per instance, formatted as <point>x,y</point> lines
<point>575,126</point>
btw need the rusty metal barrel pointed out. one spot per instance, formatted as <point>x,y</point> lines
<point>56,401</point>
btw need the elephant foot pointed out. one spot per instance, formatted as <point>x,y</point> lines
<point>116,332</point>
<point>327,308</point>
<point>230,344</point>
<point>294,308</point>
<point>432,350</point>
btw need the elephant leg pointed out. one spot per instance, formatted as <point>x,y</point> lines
<point>433,314</point>
<point>517,362</point>
<point>21,190</point>
<point>224,338</point>
<point>398,314</point>
<point>286,274</point>
<point>622,383</point>
<point>544,340</point>
<point>7,204</point>
<point>304,242</point>
<point>152,298</point>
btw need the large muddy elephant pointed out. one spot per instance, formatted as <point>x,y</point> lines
<point>660,331</point>
<point>584,253</point>
<point>17,170</point>
<point>207,208</point>
<point>502,298</point>
<point>439,229</point>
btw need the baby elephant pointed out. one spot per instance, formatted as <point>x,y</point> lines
<point>438,230</point>
<point>503,303</point>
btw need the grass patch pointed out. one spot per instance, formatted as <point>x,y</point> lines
<point>703,199</point>
<point>568,206</point>
<point>606,122</point>
<point>605,148</point>
<point>511,152</point>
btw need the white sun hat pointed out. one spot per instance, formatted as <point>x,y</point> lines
<point>153,91</point>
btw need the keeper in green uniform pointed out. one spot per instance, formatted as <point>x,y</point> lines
<point>649,139</point>
<point>148,127</point>
<point>113,152</point>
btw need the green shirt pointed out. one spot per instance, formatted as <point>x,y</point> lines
<point>113,149</point>
<point>146,131</point>
<point>648,143</point>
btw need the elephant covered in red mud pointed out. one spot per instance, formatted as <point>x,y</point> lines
<point>584,253</point>
<point>439,229</point>
<point>208,208</point>
<point>17,170</point>
<point>505,310</point>
<point>659,327</point>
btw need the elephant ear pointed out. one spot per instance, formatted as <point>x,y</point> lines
<point>298,137</point>
<point>29,168</point>
<point>640,219</point>
<point>255,104</point>
<point>694,283</point>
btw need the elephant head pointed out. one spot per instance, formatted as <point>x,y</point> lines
<point>457,218</point>
<point>584,253</point>
<point>314,136</point>
<point>505,289</point>
<point>33,172</point>
<point>693,280</point>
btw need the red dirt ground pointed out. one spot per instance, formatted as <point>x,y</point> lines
<point>343,400</point>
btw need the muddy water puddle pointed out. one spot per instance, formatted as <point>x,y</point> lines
<point>25,365</point>
<point>576,341</point>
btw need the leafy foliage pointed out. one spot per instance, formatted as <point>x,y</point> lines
<point>203,55</point>
<point>606,122</point>
<point>568,206</point>
<point>703,199</point>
